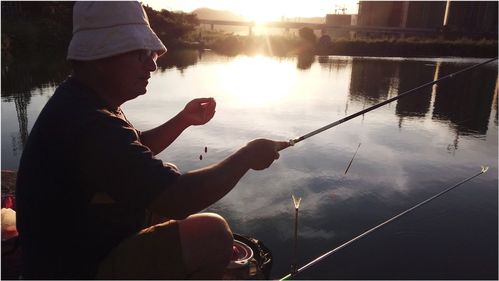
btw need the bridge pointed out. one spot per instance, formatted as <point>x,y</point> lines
<point>318,26</point>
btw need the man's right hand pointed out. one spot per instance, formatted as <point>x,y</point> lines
<point>260,153</point>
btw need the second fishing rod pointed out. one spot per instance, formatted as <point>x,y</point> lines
<point>404,94</point>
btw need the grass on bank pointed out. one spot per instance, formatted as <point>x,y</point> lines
<point>286,45</point>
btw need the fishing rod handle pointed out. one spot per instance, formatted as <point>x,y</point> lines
<point>292,142</point>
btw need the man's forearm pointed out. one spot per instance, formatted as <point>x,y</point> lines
<point>161,137</point>
<point>198,189</point>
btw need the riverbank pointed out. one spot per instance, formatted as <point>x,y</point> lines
<point>229,44</point>
<point>412,48</point>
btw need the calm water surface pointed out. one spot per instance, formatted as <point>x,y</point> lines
<point>410,150</point>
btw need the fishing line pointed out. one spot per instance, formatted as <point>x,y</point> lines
<point>404,94</point>
<point>327,254</point>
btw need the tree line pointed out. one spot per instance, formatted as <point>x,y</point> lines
<point>34,26</point>
<point>29,28</point>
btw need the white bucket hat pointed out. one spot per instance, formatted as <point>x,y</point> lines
<point>108,28</point>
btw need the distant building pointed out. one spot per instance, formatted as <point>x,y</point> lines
<point>418,17</point>
<point>425,14</point>
<point>338,20</point>
<point>380,13</point>
<point>429,18</point>
<point>473,18</point>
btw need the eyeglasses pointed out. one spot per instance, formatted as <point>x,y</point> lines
<point>144,55</point>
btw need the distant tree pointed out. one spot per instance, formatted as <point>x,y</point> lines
<point>33,25</point>
<point>308,35</point>
<point>308,40</point>
<point>324,44</point>
<point>169,26</point>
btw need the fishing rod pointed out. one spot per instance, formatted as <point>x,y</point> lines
<point>327,254</point>
<point>404,94</point>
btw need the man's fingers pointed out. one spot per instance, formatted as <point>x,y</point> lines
<point>213,104</point>
<point>203,100</point>
<point>280,145</point>
<point>211,115</point>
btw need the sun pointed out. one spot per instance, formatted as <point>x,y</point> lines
<point>259,13</point>
<point>258,16</point>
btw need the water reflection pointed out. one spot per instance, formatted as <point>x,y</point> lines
<point>180,60</point>
<point>371,81</point>
<point>374,81</point>
<point>334,63</point>
<point>412,74</point>
<point>470,111</point>
<point>305,60</point>
<point>404,156</point>
<point>21,75</point>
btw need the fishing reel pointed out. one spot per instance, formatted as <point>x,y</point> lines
<point>251,260</point>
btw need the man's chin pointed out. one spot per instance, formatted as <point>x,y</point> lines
<point>135,94</point>
<point>141,91</point>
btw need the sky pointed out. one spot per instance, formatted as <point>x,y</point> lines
<point>261,10</point>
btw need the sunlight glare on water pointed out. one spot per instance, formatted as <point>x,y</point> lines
<point>256,81</point>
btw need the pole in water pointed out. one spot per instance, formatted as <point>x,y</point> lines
<point>294,264</point>
<point>404,94</point>
<point>327,254</point>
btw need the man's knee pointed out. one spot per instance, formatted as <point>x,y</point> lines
<point>206,240</point>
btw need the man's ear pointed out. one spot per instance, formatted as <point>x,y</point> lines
<point>86,67</point>
<point>98,66</point>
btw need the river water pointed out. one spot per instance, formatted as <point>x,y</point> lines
<point>409,150</point>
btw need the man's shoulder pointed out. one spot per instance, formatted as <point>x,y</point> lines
<point>71,95</point>
<point>74,103</point>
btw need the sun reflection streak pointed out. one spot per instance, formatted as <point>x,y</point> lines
<point>258,81</point>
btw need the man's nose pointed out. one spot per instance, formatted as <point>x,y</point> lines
<point>150,64</point>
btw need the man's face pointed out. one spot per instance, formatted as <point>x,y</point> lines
<point>126,76</point>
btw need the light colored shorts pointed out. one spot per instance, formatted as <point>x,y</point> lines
<point>153,253</point>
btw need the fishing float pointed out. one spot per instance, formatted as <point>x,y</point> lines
<point>296,203</point>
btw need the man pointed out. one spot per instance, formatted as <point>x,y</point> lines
<point>88,179</point>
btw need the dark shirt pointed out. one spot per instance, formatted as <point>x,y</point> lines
<point>84,184</point>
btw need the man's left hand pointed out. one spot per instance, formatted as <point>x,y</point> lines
<point>199,111</point>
